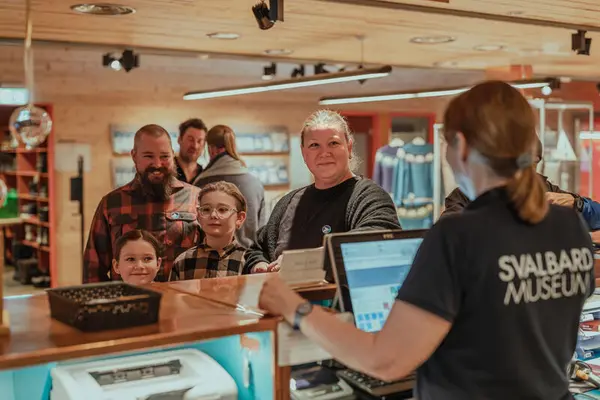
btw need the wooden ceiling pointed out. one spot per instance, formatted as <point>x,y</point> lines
<point>319,30</point>
<point>78,73</point>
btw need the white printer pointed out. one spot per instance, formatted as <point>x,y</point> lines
<point>185,374</point>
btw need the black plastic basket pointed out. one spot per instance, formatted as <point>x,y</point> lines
<point>103,306</point>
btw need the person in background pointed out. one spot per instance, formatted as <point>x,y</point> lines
<point>491,305</point>
<point>226,165</point>
<point>192,140</point>
<point>137,257</point>
<point>338,201</point>
<point>221,213</point>
<point>154,200</point>
<point>456,201</point>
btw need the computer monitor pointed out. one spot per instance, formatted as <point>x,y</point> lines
<point>370,268</point>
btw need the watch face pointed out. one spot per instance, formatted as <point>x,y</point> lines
<point>304,308</point>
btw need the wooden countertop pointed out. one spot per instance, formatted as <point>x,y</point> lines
<point>36,338</point>
<point>245,289</point>
<point>190,311</point>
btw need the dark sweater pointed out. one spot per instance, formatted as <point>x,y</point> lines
<point>369,208</point>
<point>457,201</point>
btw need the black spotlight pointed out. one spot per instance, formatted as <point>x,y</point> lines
<point>580,44</point>
<point>267,15</point>
<point>109,61</point>
<point>299,71</point>
<point>320,69</point>
<point>269,72</point>
<point>128,61</point>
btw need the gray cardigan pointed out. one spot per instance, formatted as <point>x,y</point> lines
<point>369,208</point>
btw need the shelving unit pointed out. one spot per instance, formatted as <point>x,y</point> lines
<point>31,173</point>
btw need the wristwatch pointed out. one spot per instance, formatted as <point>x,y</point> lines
<point>302,311</point>
<point>578,204</point>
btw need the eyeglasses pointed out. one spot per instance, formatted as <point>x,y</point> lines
<point>222,212</point>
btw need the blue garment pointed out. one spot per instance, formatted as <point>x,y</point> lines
<point>413,175</point>
<point>385,164</point>
<point>420,217</point>
<point>591,213</point>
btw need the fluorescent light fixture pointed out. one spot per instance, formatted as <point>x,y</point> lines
<point>223,35</point>
<point>328,101</point>
<point>314,80</point>
<point>12,96</point>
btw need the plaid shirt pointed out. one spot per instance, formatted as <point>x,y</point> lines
<point>203,261</point>
<point>173,222</point>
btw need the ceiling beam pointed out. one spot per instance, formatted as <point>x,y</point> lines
<point>101,47</point>
<point>466,14</point>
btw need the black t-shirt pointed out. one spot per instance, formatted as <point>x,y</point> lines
<point>181,175</point>
<point>320,211</point>
<point>514,293</point>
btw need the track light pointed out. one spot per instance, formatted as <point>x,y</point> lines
<point>553,84</point>
<point>368,98</point>
<point>320,69</point>
<point>266,16</point>
<point>323,79</point>
<point>580,44</point>
<point>128,61</point>
<point>269,72</point>
<point>299,71</point>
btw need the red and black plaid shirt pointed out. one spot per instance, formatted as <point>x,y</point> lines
<point>172,222</point>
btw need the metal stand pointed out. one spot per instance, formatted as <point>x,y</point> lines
<point>77,195</point>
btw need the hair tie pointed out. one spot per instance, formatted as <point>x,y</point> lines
<point>525,160</point>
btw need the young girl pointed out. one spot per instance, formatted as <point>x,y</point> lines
<point>221,212</point>
<point>137,257</point>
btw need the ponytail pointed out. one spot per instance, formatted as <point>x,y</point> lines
<point>223,137</point>
<point>528,195</point>
<point>230,146</point>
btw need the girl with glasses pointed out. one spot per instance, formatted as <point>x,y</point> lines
<point>221,212</point>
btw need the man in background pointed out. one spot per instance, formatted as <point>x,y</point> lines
<point>192,139</point>
<point>154,201</point>
<point>589,209</point>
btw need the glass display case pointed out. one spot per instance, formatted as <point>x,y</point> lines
<point>568,148</point>
<point>559,129</point>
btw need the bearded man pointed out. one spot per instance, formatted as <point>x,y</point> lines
<point>155,201</point>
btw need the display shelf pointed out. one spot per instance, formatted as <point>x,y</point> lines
<point>31,173</point>
<point>266,153</point>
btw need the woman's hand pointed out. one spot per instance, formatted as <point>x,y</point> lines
<point>278,299</point>
<point>263,267</point>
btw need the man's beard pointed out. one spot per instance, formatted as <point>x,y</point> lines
<point>157,190</point>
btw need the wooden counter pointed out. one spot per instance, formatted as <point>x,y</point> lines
<point>36,338</point>
<point>244,289</point>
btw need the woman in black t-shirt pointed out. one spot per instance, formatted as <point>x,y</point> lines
<point>490,309</point>
<point>338,201</point>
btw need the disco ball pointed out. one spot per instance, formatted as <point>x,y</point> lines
<point>3,193</point>
<point>31,125</point>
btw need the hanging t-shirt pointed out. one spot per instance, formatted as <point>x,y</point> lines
<point>320,211</point>
<point>514,293</point>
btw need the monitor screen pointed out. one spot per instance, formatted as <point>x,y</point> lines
<point>375,271</point>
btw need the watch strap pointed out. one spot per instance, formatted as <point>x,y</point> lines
<point>578,203</point>
<point>302,311</point>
